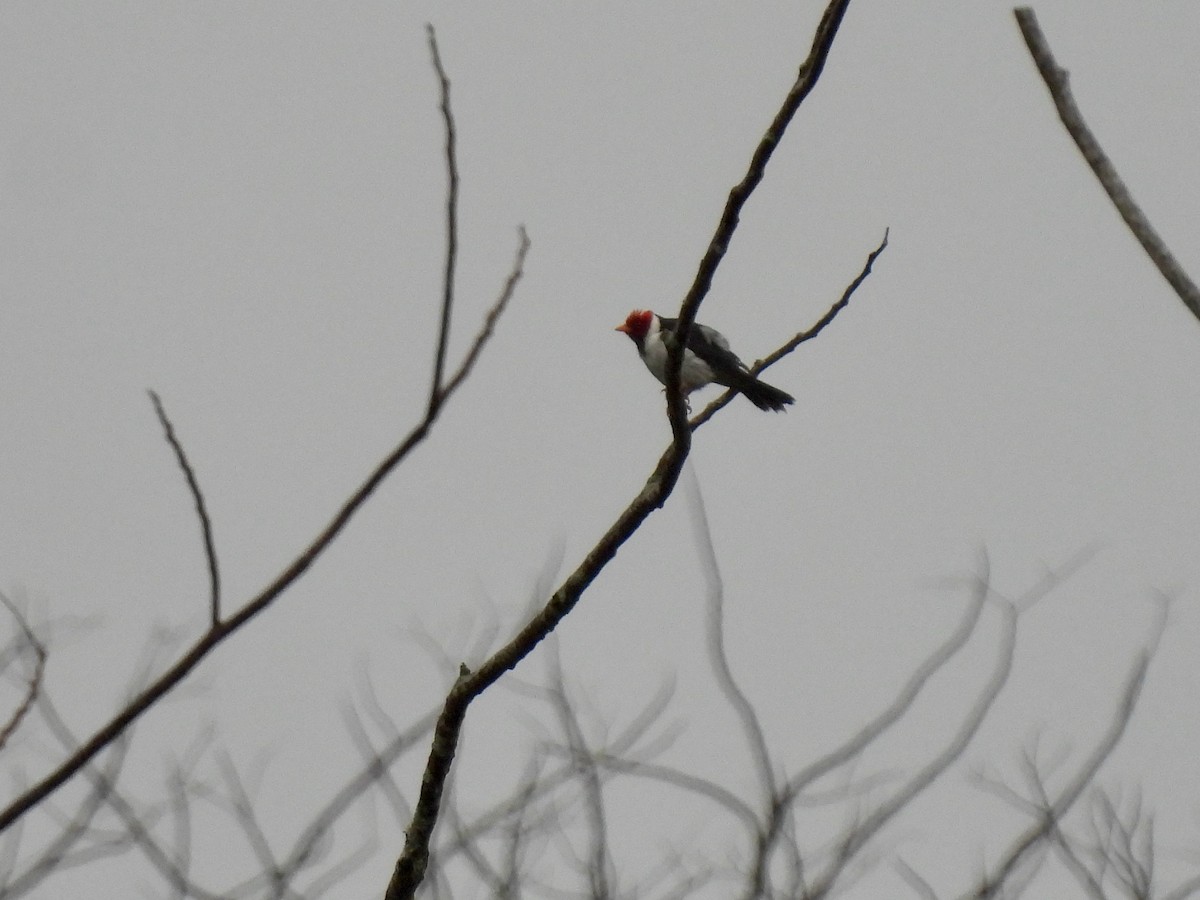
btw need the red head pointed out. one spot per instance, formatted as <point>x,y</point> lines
<point>637,324</point>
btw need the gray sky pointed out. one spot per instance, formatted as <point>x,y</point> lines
<point>240,206</point>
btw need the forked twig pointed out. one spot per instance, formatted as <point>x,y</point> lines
<point>34,686</point>
<point>224,627</point>
<point>830,314</point>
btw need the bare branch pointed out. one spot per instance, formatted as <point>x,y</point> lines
<point>34,686</point>
<point>1056,80</point>
<point>751,724</point>
<point>930,666</point>
<point>181,816</point>
<point>174,872</point>
<point>340,871</point>
<point>806,79</point>
<point>709,411</point>
<point>302,562</point>
<point>858,836</point>
<point>58,853</point>
<point>1053,813</point>
<point>411,865</point>
<point>1074,865</point>
<point>780,803</point>
<point>380,774</point>
<point>189,474</point>
<point>719,660</point>
<point>599,866</point>
<point>920,886</point>
<point>439,365</point>
<point>692,784</point>
<point>371,774</point>
<point>489,321</point>
<point>478,861</point>
<point>1127,843</point>
<point>516,835</point>
<point>241,805</point>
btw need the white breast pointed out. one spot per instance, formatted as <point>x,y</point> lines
<point>695,372</point>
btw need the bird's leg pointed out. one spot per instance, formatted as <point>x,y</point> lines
<point>687,401</point>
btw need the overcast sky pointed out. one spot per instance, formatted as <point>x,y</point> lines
<point>240,206</point>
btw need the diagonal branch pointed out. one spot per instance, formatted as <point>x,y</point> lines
<point>858,836</point>
<point>933,664</point>
<point>1052,813</point>
<point>34,687</point>
<point>751,723</point>
<point>1057,82</point>
<point>216,634</point>
<point>806,80</point>
<point>600,868</point>
<point>411,866</point>
<point>55,854</point>
<point>136,826</point>
<point>830,314</point>
<point>370,774</point>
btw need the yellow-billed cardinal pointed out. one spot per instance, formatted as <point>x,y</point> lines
<point>706,359</point>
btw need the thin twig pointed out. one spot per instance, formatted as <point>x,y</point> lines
<point>138,829</point>
<point>830,314</point>
<point>920,886</point>
<point>439,365</point>
<point>491,317</point>
<point>858,836</point>
<point>335,873</point>
<point>189,474</point>
<point>583,759</point>
<point>718,658</point>
<point>238,801</point>
<point>1052,814</point>
<point>34,687</point>
<point>684,781</point>
<point>52,857</point>
<point>370,774</point>
<point>485,874</point>
<point>1056,79</point>
<point>1073,864</point>
<point>937,660</point>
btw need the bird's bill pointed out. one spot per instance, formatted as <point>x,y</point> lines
<point>623,328</point>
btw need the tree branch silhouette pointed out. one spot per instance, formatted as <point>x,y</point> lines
<point>206,530</point>
<point>439,364</point>
<point>1057,81</point>
<point>412,863</point>
<point>806,80</point>
<point>1050,813</point>
<point>222,628</point>
<point>830,314</point>
<point>27,640</point>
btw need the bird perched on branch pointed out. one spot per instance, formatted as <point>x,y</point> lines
<point>706,359</point>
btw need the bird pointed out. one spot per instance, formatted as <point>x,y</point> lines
<point>706,359</point>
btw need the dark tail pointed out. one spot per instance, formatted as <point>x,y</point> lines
<point>763,395</point>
